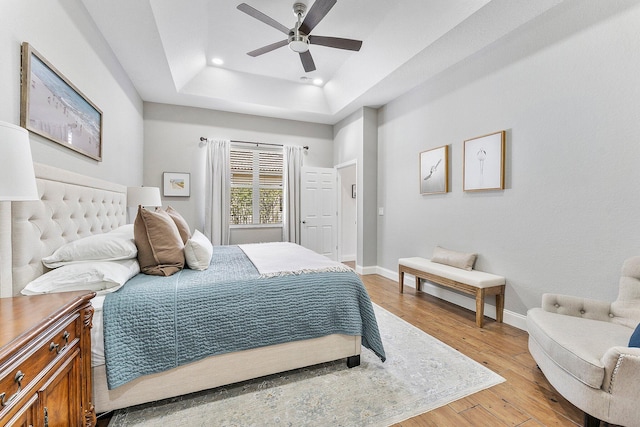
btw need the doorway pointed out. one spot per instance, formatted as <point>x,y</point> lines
<point>348,212</point>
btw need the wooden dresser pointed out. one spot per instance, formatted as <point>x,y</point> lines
<point>45,360</point>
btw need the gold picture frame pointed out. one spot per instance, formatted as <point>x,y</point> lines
<point>483,158</point>
<point>434,170</point>
<point>52,107</point>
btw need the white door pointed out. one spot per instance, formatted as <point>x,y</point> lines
<point>318,230</point>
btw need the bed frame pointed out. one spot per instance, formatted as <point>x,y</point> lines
<point>73,206</point>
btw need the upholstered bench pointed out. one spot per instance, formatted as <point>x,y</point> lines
<point>471,282</point>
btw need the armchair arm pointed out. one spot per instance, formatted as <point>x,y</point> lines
<point>577,307</point>
<point>621,381</point>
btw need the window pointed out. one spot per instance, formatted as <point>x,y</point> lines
<point>256,187</point>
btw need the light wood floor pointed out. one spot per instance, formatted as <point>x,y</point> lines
<point>524,399</point>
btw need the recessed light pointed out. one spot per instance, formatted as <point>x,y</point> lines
<point>317,82</point>
<point>217,61</point>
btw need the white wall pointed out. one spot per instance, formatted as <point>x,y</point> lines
<point>172,136</point>
<point>566,89</point>
<point>65,35</point>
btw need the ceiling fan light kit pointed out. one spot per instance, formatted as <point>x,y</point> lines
<point>299,38</point>
<point>298,43</point>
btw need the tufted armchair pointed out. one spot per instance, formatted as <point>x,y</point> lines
<point>581,346</point>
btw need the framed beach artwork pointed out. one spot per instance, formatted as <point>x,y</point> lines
<point>52,107</point>
<point>434,170</point>
<point>484,162</point>
<point>176,184</point>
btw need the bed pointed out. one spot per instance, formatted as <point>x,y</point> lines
<point>74,206</point>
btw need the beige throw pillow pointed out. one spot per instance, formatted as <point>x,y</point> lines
<point>461,260</point>
<point>160,247</point>
<point>181,223</point>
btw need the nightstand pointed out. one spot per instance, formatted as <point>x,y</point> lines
<point>45,360</point>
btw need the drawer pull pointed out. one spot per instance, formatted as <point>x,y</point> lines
<point>18,379</point>
<point>57,348</point>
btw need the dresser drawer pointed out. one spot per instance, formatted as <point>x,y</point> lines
<point>28,366</point>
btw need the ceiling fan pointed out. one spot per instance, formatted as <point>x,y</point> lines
<point>299,37</point>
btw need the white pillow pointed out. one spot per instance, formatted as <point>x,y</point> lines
<point>112,246</point>
<point>198,251</point>
<point>106,276</point>
<point>125,230</point>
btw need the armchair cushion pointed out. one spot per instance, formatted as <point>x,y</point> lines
<point>634,341</point>
<point>563,339</point>
<point>578,307</point>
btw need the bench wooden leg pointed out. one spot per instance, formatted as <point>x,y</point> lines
<point>500,306</point>
<point>417,283</point>
<point>400,280</point>
<point>480,307</point>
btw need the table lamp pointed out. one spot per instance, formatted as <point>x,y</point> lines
<point>17,177</point>
<point>143,196</point>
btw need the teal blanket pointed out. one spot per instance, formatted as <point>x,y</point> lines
<point>153,323</point>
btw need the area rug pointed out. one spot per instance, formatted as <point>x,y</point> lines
<point>420,374</point>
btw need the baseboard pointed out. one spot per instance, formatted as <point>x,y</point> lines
<point>363,271</point>
<point>509,317</point>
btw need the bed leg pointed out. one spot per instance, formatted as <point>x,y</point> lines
<point>353,361</point>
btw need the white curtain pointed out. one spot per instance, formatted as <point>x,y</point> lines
<point>292,159</point>
<point>218,192</point>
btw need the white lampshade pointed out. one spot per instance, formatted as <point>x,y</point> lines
<point>17,178</point>
<point>145,196</point>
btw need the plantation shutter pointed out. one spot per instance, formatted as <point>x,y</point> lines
<point>256,187</point>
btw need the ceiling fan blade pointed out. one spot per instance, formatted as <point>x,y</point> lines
<point>336,42</point>
<point>268,48</point>
<point>249,10</point>
<point>318,11</point>
<point>307,62</point>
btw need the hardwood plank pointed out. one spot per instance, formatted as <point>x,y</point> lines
<point>480,416</point>
<point>440,417</point>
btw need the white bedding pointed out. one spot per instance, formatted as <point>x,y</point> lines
<point>284,258</point>
<point>97,334</point>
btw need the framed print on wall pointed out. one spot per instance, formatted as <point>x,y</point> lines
<point>434,170</point>
<point>484,162</point>
<point>176,184</point>
<point>52,107</point>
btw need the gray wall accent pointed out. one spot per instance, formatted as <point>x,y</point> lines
<point>65,35</point>
<point>356,137</point>
<point>566,90</point>
<point>172,144</point>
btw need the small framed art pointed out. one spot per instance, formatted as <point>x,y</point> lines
<point>52,107</point>
<point>176,184</point>
<point>484,162</point>
<point>434,170</point>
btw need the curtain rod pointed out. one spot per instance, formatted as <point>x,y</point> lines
<point>203,139</point>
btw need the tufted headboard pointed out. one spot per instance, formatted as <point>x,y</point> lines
<point>71,206</point>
